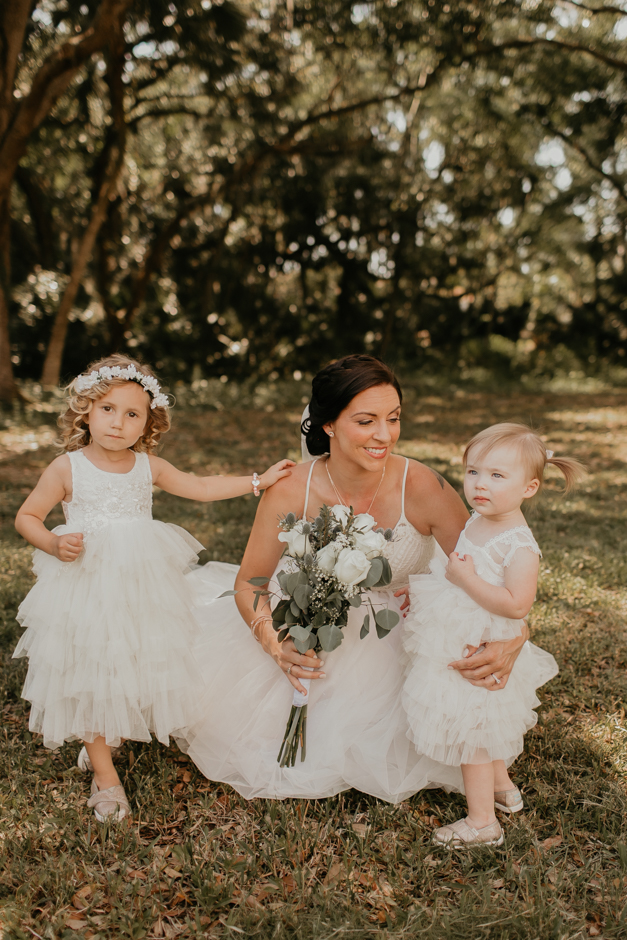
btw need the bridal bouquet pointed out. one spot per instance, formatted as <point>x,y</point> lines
<point>331,565</point>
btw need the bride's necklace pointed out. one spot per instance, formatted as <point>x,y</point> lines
<point>341,498</point>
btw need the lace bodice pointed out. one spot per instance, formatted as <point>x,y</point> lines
<point>496,555</point>
<point>100,498</point>
<point>409,552</point>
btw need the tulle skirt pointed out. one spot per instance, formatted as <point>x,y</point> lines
<point>357,733</point>
<point>110,637</point>
<point>450,720</point>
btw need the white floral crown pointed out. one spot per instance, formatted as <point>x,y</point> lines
<point>130,374</point>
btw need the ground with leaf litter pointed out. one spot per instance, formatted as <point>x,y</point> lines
<point>199,861</point>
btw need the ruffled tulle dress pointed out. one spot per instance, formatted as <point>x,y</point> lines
<point>356,725</point>
<point>450,720</point>
<point>110,635</point>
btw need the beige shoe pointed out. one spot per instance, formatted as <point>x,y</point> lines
<point>460,834</point>
<point>83,763</point>
<point>508,801</point>
<point>109,805</point>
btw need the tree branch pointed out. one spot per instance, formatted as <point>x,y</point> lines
<point>50,81</point>
<point>592,163</point>
<point>523,43</point>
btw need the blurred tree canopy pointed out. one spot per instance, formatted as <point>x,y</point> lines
<point>237,188</point>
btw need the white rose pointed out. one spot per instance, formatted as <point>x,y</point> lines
<point>326,557</point>
<point>363,522</point>
<point>340,514</point>
<point>370,543</point>
<point>351,567</point>
<point>297,543</point>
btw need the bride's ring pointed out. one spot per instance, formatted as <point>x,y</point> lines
<point>289,669</point>
<point>498,681</point>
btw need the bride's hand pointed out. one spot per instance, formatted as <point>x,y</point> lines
<point>287,657</point>
<point>405,605</point>
<point>495,661</point>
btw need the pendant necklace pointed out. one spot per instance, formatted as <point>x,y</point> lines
<point>339,495</point>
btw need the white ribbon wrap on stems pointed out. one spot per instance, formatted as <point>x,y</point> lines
<point>299,699</point>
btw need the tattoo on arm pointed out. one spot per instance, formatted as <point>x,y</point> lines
<point>438,477</point>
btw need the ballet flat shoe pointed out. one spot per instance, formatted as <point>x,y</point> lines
<point>109,805</point>
<point>461,835</point>
<point>508,801</point>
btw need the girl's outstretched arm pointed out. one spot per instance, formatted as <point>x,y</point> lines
<point>55,484</point>
<point>208,489</point>
<point>514,599</point>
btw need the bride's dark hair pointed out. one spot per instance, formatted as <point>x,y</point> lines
<point>333,389</point>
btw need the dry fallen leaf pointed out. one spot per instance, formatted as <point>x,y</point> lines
<point>551,842</point>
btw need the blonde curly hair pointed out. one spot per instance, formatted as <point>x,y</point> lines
<point>75,430</point>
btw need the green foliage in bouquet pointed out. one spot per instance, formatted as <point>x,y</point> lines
<point>314,610</point>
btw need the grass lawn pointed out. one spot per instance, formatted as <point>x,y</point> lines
<point>199,861</point>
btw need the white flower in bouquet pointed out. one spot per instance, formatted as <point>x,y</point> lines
<point>341,514</point>
<point>370,543</point>
<point>326,557</point>
<point>351,566</point>
<point>298,543</point>
<point>364,522</point>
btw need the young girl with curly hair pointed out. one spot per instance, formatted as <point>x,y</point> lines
<point>110,625</point>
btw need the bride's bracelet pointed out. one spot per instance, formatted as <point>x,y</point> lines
<point>256,623</point>
<point>255,484</point>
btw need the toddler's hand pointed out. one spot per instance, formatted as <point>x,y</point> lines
<point>460,569</point>
<point>68,547</point>
<point>276,472</point>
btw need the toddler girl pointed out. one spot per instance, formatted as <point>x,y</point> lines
<point>483,594</point>
<point>110,624</point>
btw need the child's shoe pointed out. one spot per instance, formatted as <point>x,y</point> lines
<point>508,801</point>
<point>460,834</point>
<point>83,763</point>
<point>109,805</point>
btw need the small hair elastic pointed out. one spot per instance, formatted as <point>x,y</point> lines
<point>549,454</point>
<point>255,484</point>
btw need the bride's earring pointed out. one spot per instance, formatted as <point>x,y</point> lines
<point>331,433</point>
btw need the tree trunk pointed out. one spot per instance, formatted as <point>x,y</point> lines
<point>51,373</point>
<point>19,118</point>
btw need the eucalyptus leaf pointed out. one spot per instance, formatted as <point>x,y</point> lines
<point>376,570</point>
<point>355,600</point>
<point>330,636</point>
<point>258,582</point>
<point>303,595</point>
<point>227,594</point>
<point>386,575</point>
<point>385,621</point>
<point>295,609</point>
<point>365,627</point>
<point>283,633</point>
<point>301,637</point>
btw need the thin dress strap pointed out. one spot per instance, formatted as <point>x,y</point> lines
<point>313,463</point>
<point>403,517</point>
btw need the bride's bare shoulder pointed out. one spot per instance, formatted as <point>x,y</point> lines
<point>288,494</point>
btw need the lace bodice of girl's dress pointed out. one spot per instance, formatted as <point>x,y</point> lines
<point>100,498</point>
<point>492,558</point>
<point>409,552</point>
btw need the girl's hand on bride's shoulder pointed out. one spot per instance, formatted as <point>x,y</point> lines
<point>276,472</point>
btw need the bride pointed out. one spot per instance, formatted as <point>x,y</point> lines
<point>356,728</point>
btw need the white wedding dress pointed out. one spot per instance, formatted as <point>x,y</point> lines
<point>357,732</point>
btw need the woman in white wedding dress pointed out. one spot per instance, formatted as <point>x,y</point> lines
<point>356,727</point>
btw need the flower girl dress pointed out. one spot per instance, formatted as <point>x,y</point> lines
<point>450,720</point>
<point>110,635</point>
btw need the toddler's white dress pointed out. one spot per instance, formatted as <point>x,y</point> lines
<point>110,635</point>
<point>450,720</point>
